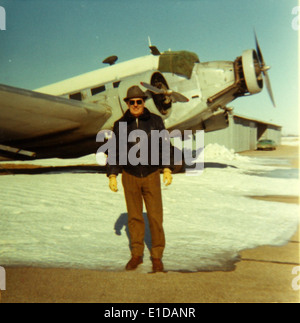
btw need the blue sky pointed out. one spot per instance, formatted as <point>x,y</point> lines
<point>50,40</point>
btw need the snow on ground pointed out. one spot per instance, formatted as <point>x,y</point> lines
<point>73,220</point>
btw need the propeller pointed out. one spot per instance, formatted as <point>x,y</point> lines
<point>175,96</point>
<point>264,69</point>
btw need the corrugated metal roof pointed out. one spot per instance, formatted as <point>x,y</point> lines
<point>255,120</point>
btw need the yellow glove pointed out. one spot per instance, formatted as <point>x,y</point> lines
<point>113,184</point>
<point>167,178</point>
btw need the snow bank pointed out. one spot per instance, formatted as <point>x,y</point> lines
<point>218,152</point>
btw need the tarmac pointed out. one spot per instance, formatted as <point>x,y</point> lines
<point>263,275</point>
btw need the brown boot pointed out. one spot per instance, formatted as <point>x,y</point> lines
<point>134,262</point>
<point>157,265</point>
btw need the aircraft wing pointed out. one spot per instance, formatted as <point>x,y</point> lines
<point>38,125</point>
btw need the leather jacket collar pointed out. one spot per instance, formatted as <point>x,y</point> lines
<point>128,117</point>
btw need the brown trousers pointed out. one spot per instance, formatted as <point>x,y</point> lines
<point>148,189</point>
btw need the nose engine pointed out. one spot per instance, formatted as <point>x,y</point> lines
<point>252,71</point>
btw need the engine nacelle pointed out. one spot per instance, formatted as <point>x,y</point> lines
<point>157,103</point>
<point>252,71</point>
<point>217,121</point>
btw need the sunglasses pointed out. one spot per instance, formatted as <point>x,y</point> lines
<point>139,102</point>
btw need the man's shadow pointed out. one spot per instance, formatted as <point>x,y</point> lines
<point>123,222</point>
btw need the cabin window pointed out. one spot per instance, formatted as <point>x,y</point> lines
<point>76,96</point>
<point>116,84</point>
<point>98,89</point>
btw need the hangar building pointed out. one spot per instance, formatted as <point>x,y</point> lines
<point>243,133</point>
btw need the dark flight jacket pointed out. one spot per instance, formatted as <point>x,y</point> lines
<point>146,122</point>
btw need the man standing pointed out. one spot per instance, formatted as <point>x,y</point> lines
<point>141,182</point>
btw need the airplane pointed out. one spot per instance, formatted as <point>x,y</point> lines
<point>62,120</point>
